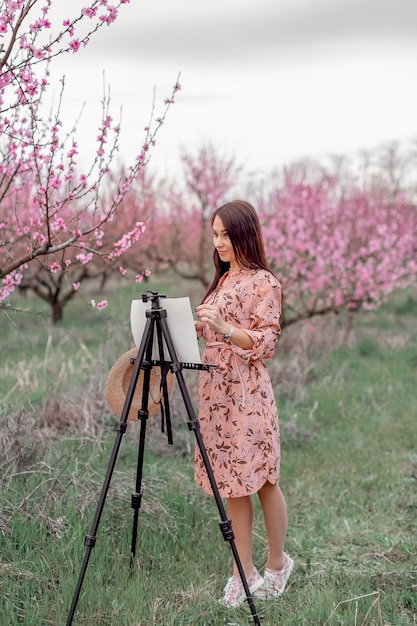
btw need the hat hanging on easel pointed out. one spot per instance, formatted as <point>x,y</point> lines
<point>118,381</point>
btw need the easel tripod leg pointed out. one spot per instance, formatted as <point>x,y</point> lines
<point>137,496</point>
<point>143,415</point>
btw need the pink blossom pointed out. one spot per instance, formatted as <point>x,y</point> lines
<point>111,15</point>
<point>99,305</point>
<point>74,45</point>
<point>59,224</point>
<point>74,151</point>
<point>90,12</point>
<point>10,282</point>
<point>84,258</point>
<point>15,6</point>
<point>55,182</point>
<point>125,187</point>
<point>5,79</point>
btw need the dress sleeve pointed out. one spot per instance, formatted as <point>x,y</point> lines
<point>264,329</point>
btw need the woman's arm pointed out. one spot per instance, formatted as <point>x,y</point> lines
<point>210,314</point>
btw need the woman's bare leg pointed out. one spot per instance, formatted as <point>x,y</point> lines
<point>240,513</point>
<point>275,515</point>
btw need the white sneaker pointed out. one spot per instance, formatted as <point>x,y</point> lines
<point>234,592</point>
<point>276,581</point>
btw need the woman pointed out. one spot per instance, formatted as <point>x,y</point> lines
<point>239,320</point>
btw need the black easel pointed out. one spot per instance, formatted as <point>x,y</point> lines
<point>156,319</point>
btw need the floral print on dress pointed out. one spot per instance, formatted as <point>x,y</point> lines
<point>237,411</point>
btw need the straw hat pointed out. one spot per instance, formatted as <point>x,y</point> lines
<point>118,381</point>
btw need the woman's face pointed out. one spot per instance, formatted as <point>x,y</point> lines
<point>222,242</point>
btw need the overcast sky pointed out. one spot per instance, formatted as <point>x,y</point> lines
<point>268,81</point>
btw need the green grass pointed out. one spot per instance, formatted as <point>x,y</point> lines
<point>349,472</point>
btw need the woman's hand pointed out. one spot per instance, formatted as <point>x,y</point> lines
<point>198,329</point>
<point>211,316</point>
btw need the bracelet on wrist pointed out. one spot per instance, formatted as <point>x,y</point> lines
<point>228,335</point>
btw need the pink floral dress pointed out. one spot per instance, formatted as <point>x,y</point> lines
<point>237,411</point>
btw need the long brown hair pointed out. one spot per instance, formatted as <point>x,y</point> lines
<point>242,224</point>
